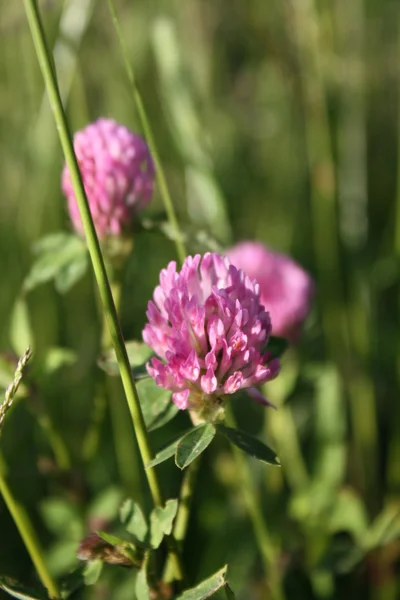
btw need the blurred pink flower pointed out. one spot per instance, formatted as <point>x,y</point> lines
<point>287,290</point>
<point>210,330</point>
<point>118,175</point>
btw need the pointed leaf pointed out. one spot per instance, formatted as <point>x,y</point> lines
<point>165,452</point>
<point>133,519</point>
<point>141,586</point>
<point>161,521</point>
<point>249,444</point>
<point>17,590</point>
<point>206,588</point>
<point>193,444</point>
<point>156,403</point>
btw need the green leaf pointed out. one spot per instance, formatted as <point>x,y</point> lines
<point>112,539</point>
<point>165,452</point>
<point>249,444</point>
<point>193,444</point>
<point>170,411</point>
<point>71,273</point>
<point>92,571</point>
<point>134,520</point>
<point>16,590</point>
<point>138,354</point>
<point>161,521</point>
<point>60,256</point>
<point>277,346</point>
<point>156,403</point>
<point>206,588</point>
<point>142,589</point>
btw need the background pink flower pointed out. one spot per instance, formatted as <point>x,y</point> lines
<point>209,329</point>
<point>118,175</point>
<point>287,290</point>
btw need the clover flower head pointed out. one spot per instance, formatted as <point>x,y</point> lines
<point>209,329</point>
<point>117,173</point>
<point>287,290</point>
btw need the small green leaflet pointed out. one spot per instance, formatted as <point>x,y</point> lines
<point>165,452</point>
<point>249,444</point>
<point>132,517</point>
<point>156,403</point>
<point>206,588</point>
<point>161,521</point>
<point>193,444</point>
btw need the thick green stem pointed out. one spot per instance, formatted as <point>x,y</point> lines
<point>99,268</point>
<point>27,533</point>
<point>262,535</point>
<point>161,179</point>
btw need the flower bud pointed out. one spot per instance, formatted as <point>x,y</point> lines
<point>117,173</point>
<point>286,289</point>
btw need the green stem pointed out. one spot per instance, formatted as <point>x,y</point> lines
<point>284,432</point>
<point>280,424</point>
<point>56,442</point>
<point>161,179</point>
<point>27,533</point>
<point>262,535</point>
<point>99,268</point>
<point>92,436</point>
<point>183,514</point>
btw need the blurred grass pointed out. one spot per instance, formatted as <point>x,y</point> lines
<point>276,121</point>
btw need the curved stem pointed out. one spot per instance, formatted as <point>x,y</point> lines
<point>161,179</point>
<point>27,533</point>
<point>262,535</point>
<point>99,268</point>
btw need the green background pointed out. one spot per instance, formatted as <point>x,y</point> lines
<point>275,121</point>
